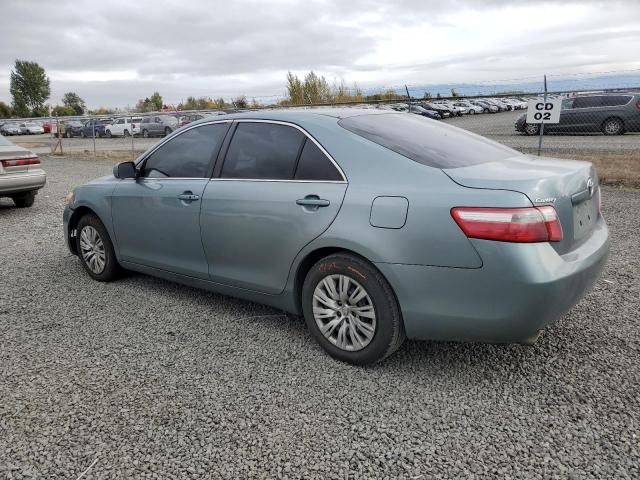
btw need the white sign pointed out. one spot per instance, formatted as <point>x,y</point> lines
<point>541,111</point>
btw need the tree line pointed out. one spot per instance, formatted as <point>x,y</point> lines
<point>30,89</point>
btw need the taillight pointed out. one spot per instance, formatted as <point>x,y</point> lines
<point>523,225</point>
<point>21,162</point>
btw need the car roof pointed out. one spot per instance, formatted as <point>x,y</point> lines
<point>298,116</point>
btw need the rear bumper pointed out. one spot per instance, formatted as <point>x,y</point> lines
<point>519,290</point>
<point>22,182</point>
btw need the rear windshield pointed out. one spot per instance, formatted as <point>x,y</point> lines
<point>426,141</point>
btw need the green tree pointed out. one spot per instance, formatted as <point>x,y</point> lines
<point>241,102</point>
<point>29,87</point>
<point>5,110</point>
<point>295,90</point>
<point>156,101</point>
<point>316,89</point>
<point>73,100</point>
<point>63,111</point>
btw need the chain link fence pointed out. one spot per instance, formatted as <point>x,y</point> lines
<point>599,125</point>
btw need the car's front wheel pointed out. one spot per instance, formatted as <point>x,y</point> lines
<point>351,310</point>
<point>145,133</point>
<point>95,249</point>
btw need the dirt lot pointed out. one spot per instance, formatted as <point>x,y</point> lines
<point>142,378</point>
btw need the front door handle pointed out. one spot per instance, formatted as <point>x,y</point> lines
<point>188,197</point>
<point>313,201</point>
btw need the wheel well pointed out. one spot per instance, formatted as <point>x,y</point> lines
<point>613,117</point>
<point>309,261</point>
<point>78,213</point>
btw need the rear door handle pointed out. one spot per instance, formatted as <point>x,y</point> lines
<point>313,201</point>
<point>188,197</point>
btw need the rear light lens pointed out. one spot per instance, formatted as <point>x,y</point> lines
<point>521,225</point>
<point>21,162</point>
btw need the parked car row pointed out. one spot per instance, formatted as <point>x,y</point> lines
<point>439,109</point>
<point>611,114</point>
<point>24,128</point>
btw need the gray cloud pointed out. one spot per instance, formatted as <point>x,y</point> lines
<point>214,48</point>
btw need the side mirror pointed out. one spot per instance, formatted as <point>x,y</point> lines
<point>124,170</point>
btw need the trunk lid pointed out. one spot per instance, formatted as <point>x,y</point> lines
<point>13,152</point>
<point>570,186</point>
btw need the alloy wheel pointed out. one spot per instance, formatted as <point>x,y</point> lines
<point>612,127</point>
<point>344,312</point>
<point>92,249</point>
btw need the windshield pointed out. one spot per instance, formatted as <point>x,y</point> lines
<point>426,141</point>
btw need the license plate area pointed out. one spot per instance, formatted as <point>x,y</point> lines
<point>585,216</point>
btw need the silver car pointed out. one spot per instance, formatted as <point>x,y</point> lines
<point>21,175</point>
<point>10,128</point>
<point>31,128</point>
<point>373,225</point>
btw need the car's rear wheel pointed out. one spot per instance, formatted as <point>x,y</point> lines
<point>145,133</point>
<point>24,200</point>
<point>613,126</point>
<point>532,129</point>
<point>95,249</point>
<point>126,133</point>
<point>108,133</point>
<point>67,134</point>
<point>472,111</point>
<point>351,310</point>
<point>167,131</point>
<point>83,135</point>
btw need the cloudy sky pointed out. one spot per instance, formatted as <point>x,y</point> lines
<point>113,53</point>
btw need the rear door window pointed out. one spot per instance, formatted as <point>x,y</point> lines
<point>315,165</point>
<point>263,151</point>
<point>427,142</point>
<point>615,100</point>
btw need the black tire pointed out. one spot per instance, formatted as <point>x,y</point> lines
<point>389,332</point>
<point>126,133</point>
<point>167,131</point>
<point>145,133</point>
<point>67,134</point>
<point>82,134</point>
<point>531,129</point>
<point>613,126</point>
<point>24,200</point>
<point>472,111</point>
<point>111,269</point>
<point>108,133</point>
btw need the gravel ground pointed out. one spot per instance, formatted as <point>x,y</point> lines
<point>143,378</point>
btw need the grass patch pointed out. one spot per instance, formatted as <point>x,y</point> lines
<point>614,168</point>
